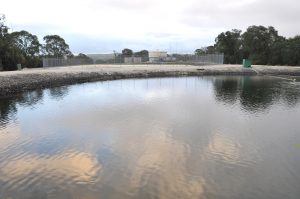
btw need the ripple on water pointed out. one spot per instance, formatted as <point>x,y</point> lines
<point>176,138</point>
<point>229,151</point>
<point>29,170</point>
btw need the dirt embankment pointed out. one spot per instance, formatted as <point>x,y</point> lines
<point>30,79</point>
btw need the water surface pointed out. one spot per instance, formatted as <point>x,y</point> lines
<point>195,137</point>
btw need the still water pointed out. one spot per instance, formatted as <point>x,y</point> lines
<point>195,137</point>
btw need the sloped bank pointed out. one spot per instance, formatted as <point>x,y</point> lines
<point>26,80</point>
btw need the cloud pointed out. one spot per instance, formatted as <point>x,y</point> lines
<point>154,24</point>
<point>282,15</point>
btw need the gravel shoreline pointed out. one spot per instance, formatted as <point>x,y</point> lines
<point>13,82</point>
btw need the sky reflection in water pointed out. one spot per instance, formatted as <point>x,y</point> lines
<point>195,137</point>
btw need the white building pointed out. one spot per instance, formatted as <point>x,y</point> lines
<point>157,56</point>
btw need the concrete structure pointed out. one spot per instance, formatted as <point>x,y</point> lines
<point>157,56</point>
<point>132,60</point>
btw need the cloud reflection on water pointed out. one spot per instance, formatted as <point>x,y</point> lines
<point>166,138</point>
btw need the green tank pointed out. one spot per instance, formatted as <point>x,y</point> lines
<point>247,63</point>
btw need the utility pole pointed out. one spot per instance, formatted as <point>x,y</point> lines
<point>115,54</point>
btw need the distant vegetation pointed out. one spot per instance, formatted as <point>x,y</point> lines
<point>24,48</point>
<point>261,44</point>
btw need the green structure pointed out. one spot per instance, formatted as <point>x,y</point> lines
<point>247,63</point>
<point>19,66</point>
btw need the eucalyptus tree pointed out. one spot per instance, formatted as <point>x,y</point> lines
<point>55,46</point>
<point>10,55</point>
<point>258,42</point>
<point>126,52</point>
<point>27,43</point>
<point>29,46</point>
<point>230,44</point>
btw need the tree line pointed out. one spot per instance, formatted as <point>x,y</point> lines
<point>24,48</point>
<point>261,44</point>
<point>126,52</point>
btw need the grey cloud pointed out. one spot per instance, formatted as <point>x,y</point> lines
<point>203,21</point>
<point>125,4</point>
<point>283,15</point>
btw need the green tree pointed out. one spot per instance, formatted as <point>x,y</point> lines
<point>257,43</point>
<point>205,50</point>
<point>85,59</point>
<point>29,46</point>
<point>127,52</point>
<point>288,51</point>
<point>55,46</point>
<point>278,50</point>
<point>200,51</point>
<point>3,33</point>
<point>144,54</point>
<point>27,42</point>
<point>211,49</point>
<point>229,43</point>
<point>10,55</point>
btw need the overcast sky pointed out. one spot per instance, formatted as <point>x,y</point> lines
<point>101,26</point>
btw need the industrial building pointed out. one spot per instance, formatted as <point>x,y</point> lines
<point>157,56</point>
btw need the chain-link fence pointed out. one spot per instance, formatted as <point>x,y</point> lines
<point>187,59</point>
<point>51,62</point>
<point>205,59</point>
<point>209,59</point>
